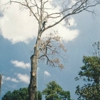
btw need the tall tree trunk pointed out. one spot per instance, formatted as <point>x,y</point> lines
<point>33,74</point>
<point>33,79</point>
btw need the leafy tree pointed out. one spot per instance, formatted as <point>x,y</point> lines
<point>55,92</point>
<point>90,73</point>
<point>7,96</point>
<point>21,94</point>
<point>38,96</point>
<point>39,10</point>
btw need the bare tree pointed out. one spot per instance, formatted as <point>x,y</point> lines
<point>39,10</point>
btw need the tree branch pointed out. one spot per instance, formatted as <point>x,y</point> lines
<point>31,11</point>
<point>75,11</point>
<point>26,5</point>
<point>18,3</point>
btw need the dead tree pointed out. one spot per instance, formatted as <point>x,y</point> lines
<point>39,10</point>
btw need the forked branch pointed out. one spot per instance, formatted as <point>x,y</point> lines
<point>74,9</point>
<point>26,4</point>
<point>50,48</point>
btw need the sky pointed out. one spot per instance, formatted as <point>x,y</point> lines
<point>18,31</point>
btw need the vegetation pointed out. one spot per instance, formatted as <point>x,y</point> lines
<point>21,94</point>
<point>90,73</point>
<point>52,92</point>
<point>39,10</point>
<point>55,92</point>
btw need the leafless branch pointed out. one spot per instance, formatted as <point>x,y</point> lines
<point>72,11</point>
<point>45,2</point>
<point>17,3</point>
<point>50,47</point>
<point>37,7</point>
<point>27,6</point>
<point>32,11</point>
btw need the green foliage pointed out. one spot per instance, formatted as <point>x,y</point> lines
<point>55,92</point>
<point>52,92</point>
<point>38,96</point>
<point>21,94</point>
<point>90,73</point>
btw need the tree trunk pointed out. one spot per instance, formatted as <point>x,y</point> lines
<point>33,74</point>
<point>33,79</point>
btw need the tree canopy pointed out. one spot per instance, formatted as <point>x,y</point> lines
<point>52,92</point>
<point>90,73</point>
<point>21,94</point>
<point>55,92</point>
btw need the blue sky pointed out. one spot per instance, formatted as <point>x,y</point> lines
<point>17,47</point>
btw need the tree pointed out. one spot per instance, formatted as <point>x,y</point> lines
<point>39,11</point>
<point>21,94</point>
<point>38,96</point>
<point>55,92</point>
<point>0,83</point>
<point>90,73</point>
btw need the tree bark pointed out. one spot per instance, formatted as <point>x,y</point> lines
<point>34,64</point>
<point>33,74</point>
<point>33,78</point>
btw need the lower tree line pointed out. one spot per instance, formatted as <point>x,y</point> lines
<point>89,73</point>
<point>52,92</point>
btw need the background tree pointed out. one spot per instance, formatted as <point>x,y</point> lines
<point>0,83</point>
<point>38,96</point>
<point>52,92</point>
<point>90,73</point>
<point>55,92</point>
<point>39,11</point>
<point>21,94</point>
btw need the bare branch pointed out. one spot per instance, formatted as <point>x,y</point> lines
<point>50,48</point>
<point>27,6</point>
<point>32,11</point>
<point>37,7</point>
<point>45,2</point>
<point>75,10</point>
<point>18,3</point>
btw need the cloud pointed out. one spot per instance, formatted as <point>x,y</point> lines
<point>38,68</point>
<point>23,77</point>
<point>19,26</point>
<point>10,79</point>
<point>20,64</point>
<point>46,73</point>
<point>71,22</point>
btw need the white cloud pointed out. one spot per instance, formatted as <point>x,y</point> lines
<point>23,77</point>
<point>65,33</point>
<point>18,26</point>
<point>20,64</point>
<point>72,22</point>
<point>10,79</point>
<point>46,73</point>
